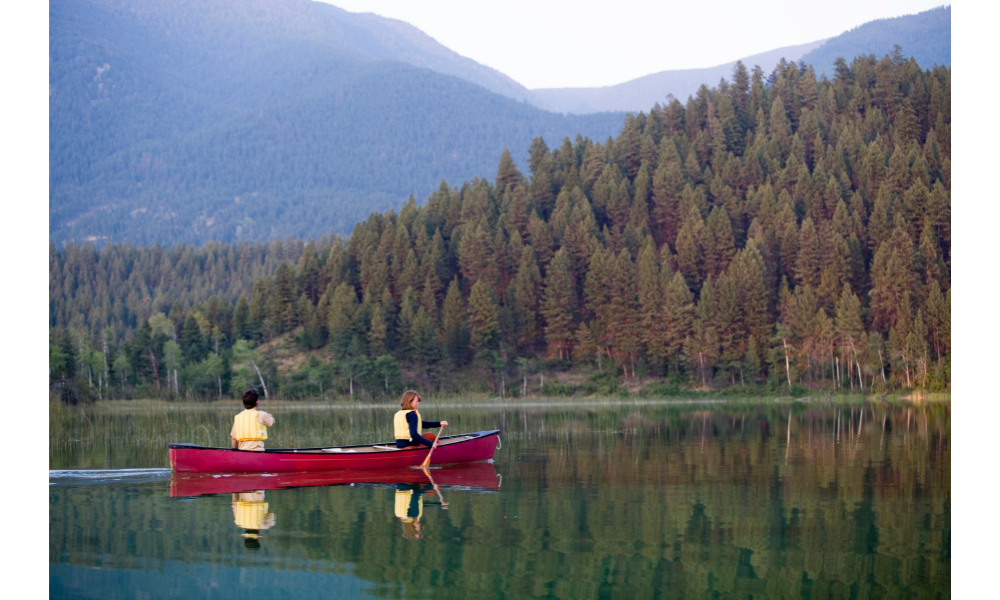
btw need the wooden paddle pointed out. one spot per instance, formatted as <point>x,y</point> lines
<point>427,461</point>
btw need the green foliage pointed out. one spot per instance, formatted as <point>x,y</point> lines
<point>778,264</point>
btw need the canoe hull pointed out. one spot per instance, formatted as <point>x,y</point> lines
<point>185,458</point>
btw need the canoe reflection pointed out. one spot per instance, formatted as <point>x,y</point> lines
<point>481,476</point>
<point>250,514</point>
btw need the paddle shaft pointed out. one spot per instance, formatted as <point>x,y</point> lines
<point>436,489</point>
<point>427,461</point>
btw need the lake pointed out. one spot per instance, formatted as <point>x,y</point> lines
<point>612,499</point>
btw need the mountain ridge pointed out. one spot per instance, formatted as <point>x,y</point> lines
<point>173,125</point>
<point>641,93</point>
<point>925,36</point>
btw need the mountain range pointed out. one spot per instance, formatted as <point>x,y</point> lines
<point>181,122</point>
<point>926,36</point>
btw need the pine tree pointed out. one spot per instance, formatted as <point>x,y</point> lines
<point>407,312</point>
<point>340,318</point>
<point>241,319</point>
<point>308,275</point>
<point>701,348</point>
<point>719,244</point>
<point>650,290</point>
<point>622,314</point>
<point>808,266</point>
<point>527,290</point>
<point>507,173</point>
<point>558,306</point>
<point>377,334</point>
<point>690,250</point>
<point>456,334</point>
<point>850,332</point>
<point>893,280</point>
<point>483,319</point>
<point>192,341</point>
<point>938,311</point>
<point>668,182</point>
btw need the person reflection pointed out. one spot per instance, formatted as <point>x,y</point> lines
<point>250,514</point>
<point>410,507</point>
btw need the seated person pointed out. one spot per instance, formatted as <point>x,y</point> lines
<point>250,426</point>
<point>408,425</point>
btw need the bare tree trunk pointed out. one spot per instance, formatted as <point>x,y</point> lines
<point>701,363</point>
<point>881,363</point>
<point>104,352</point>
<point>261,377</point>
<point>156,371</point>
<point>788,372</point>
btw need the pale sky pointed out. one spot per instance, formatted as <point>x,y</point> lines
<point>540,43</point>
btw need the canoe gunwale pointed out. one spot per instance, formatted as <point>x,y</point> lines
<point>472,436</point>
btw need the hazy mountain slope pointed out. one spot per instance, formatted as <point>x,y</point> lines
<point>925,36</point>
<point>641,93</point>
<point>189,123</point>
<point>364,36</point>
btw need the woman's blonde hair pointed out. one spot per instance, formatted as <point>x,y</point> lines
<point>407,400</point>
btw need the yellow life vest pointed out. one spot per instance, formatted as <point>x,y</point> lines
<point>249,515</point>
<point>402,429</point>
<point>248,428</point>
<point>403,498</point>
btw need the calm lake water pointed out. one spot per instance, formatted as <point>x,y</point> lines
<point>628,500</point>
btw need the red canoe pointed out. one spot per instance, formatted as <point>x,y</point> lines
<point>452,449</point>
<point>478,475</point>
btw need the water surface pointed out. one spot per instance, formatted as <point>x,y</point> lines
<point>631,500</point>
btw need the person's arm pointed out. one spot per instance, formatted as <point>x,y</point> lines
<point>232,437</point>
<point>411,420</point>
<point>264,418</point>
<point>433,424</point>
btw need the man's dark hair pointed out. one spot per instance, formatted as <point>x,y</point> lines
<point>250,399</point>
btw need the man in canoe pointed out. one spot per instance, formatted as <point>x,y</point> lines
<point>250,426</point>
<point>409,426</point>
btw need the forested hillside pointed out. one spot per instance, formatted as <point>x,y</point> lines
<point>245,120</point>
<point>925,36</point>
<point>777,230</point>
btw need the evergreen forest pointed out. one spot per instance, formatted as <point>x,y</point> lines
<point>927,35</point>
<point>779,232</point>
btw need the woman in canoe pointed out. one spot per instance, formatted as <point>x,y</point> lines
<point>408,424</point>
